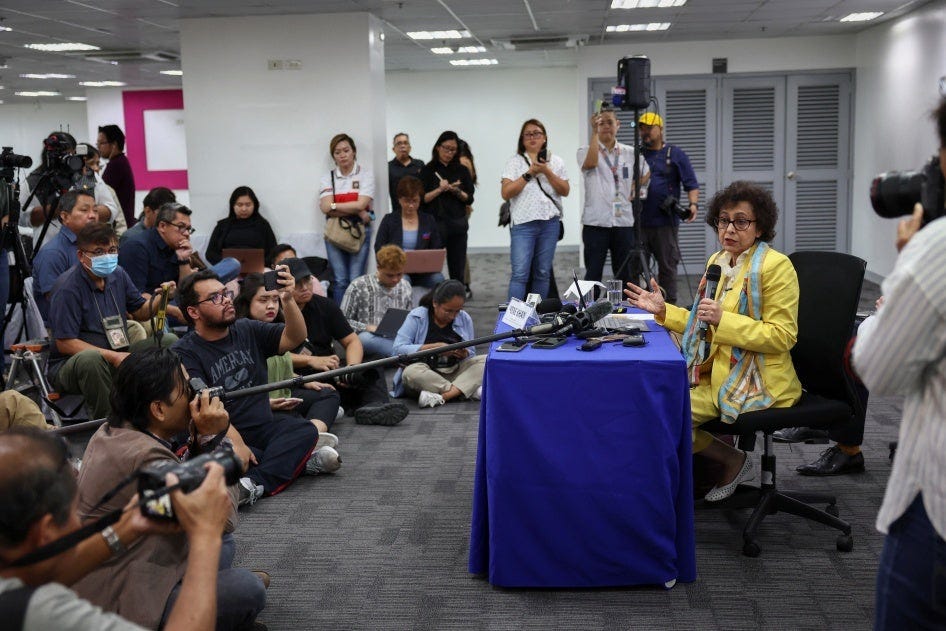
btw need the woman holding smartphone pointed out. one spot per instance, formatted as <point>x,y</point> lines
<point>534,183</point>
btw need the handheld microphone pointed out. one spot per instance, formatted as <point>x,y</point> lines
<point>713,272</point>
<point>587,318</point>
<point>559,322</point>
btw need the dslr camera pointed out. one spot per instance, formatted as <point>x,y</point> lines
<point>191,473</point>
<point>59,154</point>
<point>356,379</point>
<point>895,193</point>
<point>671,207</point>
<point>10,160</point>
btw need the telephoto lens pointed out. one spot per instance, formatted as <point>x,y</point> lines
<point>894,194</point>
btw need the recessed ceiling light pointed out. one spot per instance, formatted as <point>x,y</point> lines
<point>75,98</point>
<point>62,47</point>
<point>471,49</point>
<point>39,93</point>
<point>173,73</point>
<point>652,26</point>
<point>473,62</point>
<point>48,75</point>
<point>646,4</point>
<point>102,84</point>
<point>438,34</point>
<point>3,28</point>
<point>442,51</point>
<point>862,17</point>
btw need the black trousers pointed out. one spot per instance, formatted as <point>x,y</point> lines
<point>598,241</point>
<point>321,404</point>
<point>373,393</point>
<point>454,240</point>
<point>282,446</point>
<point>662,243</point>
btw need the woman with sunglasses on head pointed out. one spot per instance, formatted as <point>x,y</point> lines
<point>243,227</point>
<point>448,190</point>
<point>534,182</point>
<point>751,325</point>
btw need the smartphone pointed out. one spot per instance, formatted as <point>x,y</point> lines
<point>512,346</point>
<point>550,342</point>
<point>635,339</point>
<point>543,155</point>
<point>270,281</point>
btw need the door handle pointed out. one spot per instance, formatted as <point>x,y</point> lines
<point>791,175</point>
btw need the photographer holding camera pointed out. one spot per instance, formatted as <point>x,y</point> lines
<point>660,220</point>
<point>152,406</point>
<point>37,507</point>
<point>903,351</point>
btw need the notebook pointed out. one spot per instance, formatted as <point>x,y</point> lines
<point>424,261</point>
<point>391,323</point>
<point>251,259</point>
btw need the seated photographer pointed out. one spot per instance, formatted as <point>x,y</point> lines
<point>231,354</point>
<point>438,321</point>
<point>364,394</point>
<point>153,408</point>
<point>318,402</point>
<point>410,229</point>
<point>37,507</point>
<point>370,296</point>
<point>87,319</point>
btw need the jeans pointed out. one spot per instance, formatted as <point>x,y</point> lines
<point>598,241</point>
<point>376,345</point>
<point>347,267</point>
<point>911,579</point>
<point>532,249</point>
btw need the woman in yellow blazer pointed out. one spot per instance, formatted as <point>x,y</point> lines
<point>751,325</point>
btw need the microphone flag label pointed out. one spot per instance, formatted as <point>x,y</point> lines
<point>519,314</point>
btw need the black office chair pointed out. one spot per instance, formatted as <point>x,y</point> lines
<point>830,287</point>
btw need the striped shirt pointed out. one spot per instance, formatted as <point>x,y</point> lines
<point>903,351</point>
<point>366,300</point>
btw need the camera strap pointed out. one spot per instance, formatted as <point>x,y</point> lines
<point>542,188</point>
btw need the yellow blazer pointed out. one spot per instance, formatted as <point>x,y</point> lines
<point>773,336</point>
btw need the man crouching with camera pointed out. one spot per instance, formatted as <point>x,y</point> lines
<point>155,416</point>
<point>38,506</point>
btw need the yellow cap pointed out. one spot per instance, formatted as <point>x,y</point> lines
<point>651,118</point>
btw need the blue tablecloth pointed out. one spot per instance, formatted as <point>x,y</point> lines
<point>583,468</point>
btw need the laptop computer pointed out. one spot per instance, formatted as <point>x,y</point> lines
<point>251,259</point>
<point>424,261</point>
<point>390,323</point>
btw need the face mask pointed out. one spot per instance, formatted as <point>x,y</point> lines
<point>104,264</point>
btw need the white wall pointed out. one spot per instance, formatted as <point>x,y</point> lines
<point>486,107</point>
<point>899,66</point>
<point>270,129</point>
<point>24,126</point>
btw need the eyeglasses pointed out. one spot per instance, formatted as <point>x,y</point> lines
<point>184,228</point>
<point>533,134</point>
<point>448,149</point>
<point>739,224</point>
<point>100,251</point>
<point>218,297</point>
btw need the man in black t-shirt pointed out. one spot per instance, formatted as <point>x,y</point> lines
<point>231,353</point>
<point>402,165</point>
<point>364,393</point>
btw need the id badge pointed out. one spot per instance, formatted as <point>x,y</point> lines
<point>115,332</point>
<point>618,208</point>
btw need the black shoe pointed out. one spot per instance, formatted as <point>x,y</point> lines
<point>801,435</point>
<point>387,414</point>
<point>833,461</point>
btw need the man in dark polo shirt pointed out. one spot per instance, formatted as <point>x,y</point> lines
<point>118,173</point>
<point>230,353</point>
<point>76,209</point>
<point>156,197</point>
<point>363,394</point>
<point>402,164</point>
<point>87,317</point>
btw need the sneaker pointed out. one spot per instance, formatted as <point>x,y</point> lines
<point>323,460</point>
<point>429,399</point>
<point>476,396</point>
<point>386,414</point>
<point>327,439</point>
<point>249,492</point>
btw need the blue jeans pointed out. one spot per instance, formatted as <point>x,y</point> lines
<point>347,267</point>
<point>911,579</point>
<point>376,345</point>
<point>531,251</point>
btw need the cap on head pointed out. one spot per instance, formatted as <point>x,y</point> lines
<point>297,268</point>
<point>651,118</point>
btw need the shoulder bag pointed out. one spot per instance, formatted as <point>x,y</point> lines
<point>342,232</point>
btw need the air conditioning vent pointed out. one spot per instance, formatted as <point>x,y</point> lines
<point>541,42</point>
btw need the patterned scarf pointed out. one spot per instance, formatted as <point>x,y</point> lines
<point>744,389</point>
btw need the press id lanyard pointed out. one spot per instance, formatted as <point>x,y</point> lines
<point>618,203</point>
<point>113,326</point>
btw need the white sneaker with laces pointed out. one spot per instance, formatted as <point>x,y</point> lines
<point>323,460</point>
<point>429,399</point>
<point>249,492</point>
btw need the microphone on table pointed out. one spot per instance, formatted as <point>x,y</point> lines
<point>713,272</point>
<point>587,318</point>
<point>559,322</point>
<point>549,305</point>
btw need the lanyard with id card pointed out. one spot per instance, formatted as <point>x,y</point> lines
<point>618,203</point>
<point>113,326</point>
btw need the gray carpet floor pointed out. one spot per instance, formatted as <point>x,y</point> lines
<point>383,543</point>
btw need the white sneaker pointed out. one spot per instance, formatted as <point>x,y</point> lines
<point>476,396</point>
<point>249,492</point>
<point>323,460</point>
<point>327,439</point>
<point>429,399</point>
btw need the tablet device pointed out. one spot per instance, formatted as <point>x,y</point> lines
<point>390,323</point>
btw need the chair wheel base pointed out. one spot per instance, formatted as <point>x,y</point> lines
<point>845,543</point>
<point>751,549</point>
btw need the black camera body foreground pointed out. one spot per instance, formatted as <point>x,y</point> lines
<point>190,473</point>
<point>894,194</point>
<point>670,206</point>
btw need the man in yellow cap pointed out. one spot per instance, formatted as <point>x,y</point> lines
<point>659,222</point>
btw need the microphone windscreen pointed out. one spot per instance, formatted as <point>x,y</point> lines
<point>713,272</point>
<point>569,309</point>
<point>549,305</point>
<point>598,310</point>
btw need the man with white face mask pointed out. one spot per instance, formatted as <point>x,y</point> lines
<point>88,322</point>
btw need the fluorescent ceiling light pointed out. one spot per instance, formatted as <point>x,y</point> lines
<point>652,26</point>
<point>438,34</point>
<point>173,73</point>
<point>49,75</point>
<point>471,49</point>
<point>473,62</point>
<point>62,47</point>
<point>646,4</point>
<point>4,28</point>
<point>442,51</point>
<point>40,93</point>
<point>102,84</point>
<point>862,17</point>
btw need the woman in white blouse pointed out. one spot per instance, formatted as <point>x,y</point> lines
<point>534,182</point>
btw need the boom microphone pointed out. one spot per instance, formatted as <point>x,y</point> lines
<point>713,272</point>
